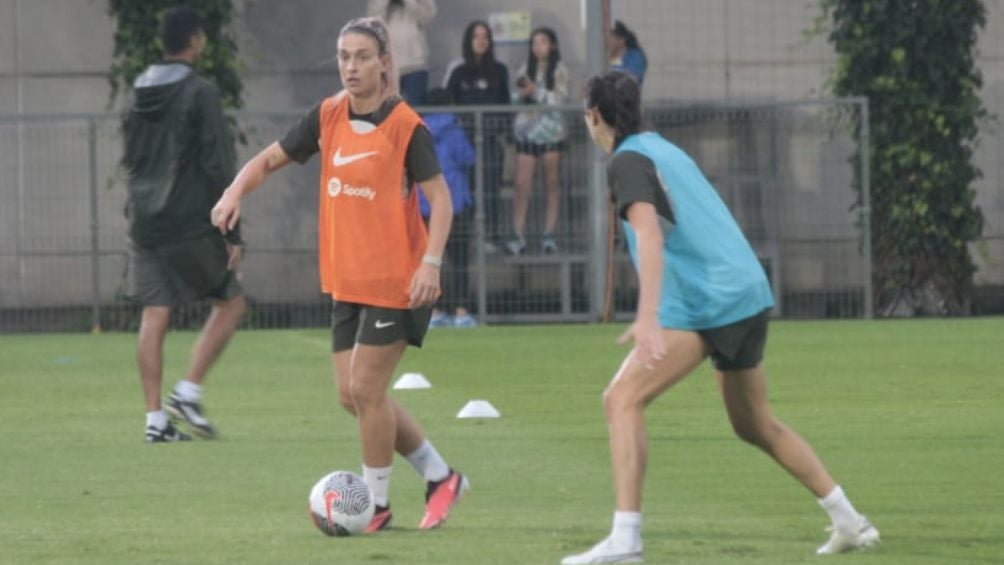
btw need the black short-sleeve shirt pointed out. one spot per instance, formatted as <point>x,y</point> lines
<point>633,178</point>
<point>420,163</point>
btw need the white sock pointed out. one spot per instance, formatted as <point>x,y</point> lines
<point>378,479</point>
<point>157,419</point>
<point>428,463</point>
<point>626,532</point>
<point>188,391</point>
<point>841,512</point>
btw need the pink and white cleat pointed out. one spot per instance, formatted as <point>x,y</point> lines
<point>440,496</point>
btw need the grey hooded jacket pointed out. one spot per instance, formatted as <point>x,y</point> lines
<point>178,155</point>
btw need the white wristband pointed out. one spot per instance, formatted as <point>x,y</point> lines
<point>433,260</point>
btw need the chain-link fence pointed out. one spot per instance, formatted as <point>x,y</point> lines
<point>785,169</point>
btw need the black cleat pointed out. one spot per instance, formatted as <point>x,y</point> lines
<point>190,412</point>
<point>165,434</point>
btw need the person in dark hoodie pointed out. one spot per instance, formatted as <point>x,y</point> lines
<point>456,157</point>
<point>179,159</point>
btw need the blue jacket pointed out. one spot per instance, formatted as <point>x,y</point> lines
<point>632,61</point>
<point>456,156</point>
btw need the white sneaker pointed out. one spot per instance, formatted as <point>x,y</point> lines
<point>606,552</point>
<point>840,541</point>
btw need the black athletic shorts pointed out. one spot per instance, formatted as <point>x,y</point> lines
<point>738,345</point>
<point>538,149</point>
<point>185,271</point>
<point>371,325</point>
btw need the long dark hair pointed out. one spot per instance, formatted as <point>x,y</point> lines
<point>615,94</point>
<point>552,58</point>
<point>630,39</point>
<point>470,58</point>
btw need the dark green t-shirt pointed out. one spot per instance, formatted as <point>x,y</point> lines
<point>420,163</point>
<point>633,178</point>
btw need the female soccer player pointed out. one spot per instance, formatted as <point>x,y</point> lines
<point>702,293</point>
<point>376,259</point>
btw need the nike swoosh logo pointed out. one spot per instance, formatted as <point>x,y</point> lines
<point>381,325</point>
<point>338,160</point>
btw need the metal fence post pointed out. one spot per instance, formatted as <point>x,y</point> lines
<point>866,207</point>
<point>92,160</point>
<point>595,29</point>
<point>479,213</point>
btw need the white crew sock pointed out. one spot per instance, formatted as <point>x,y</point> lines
<point>188,391</point>
<point>157,419</point>
<point>378,479</point>
<point>428,463</point>
<point>842,513</point>
<point>626,532</point>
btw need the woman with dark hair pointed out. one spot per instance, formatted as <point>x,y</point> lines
<point>702,293</point>
<point>481,79</point>
<point>625,52</point>
<point>540,134</point>
<point>376,258</point>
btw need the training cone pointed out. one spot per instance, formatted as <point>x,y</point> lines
<point>478,409</point>
<point>412,381</point>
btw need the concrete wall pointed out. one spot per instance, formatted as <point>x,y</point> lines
<point>54,55</point>
<point>290,46</point>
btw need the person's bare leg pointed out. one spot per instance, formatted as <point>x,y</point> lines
<point>624,402</point>
<point>745,395</point>
<point>408,438</point>
<point>372,368</point>
<point>552,164</point>
<point>631,390</point>
<point>153,327</point>
<point>525,167</point>
<point>408,432</point>
<point>216,333</point>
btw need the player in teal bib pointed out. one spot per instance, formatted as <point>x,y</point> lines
<point>711,277</point>
<point>702,293</point>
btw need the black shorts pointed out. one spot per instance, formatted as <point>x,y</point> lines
<point>372,325</point>
<point>739,345</point>
<point>181,272</point>
<point>538,149</point>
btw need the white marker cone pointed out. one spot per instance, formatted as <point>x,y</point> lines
<point>411,381</point>
<point>478,409</point>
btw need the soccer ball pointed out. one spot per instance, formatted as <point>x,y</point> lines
<point>341,504</point>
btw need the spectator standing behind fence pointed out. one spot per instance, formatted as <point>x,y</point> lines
<point>406,20</point>
<point>480,79</point>
<point>456,157</point>
<point>626,53</point>
<point>179,158</point>
<point>540,134</point>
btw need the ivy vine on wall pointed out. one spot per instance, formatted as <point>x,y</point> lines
<point>915,63</point>
<point>137,44</point>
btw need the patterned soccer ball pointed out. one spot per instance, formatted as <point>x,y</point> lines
<point>341,504</point>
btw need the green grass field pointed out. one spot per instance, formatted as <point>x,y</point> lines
<point>908,415</point>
